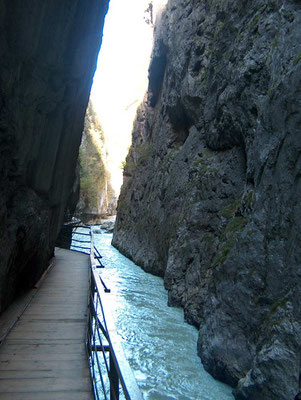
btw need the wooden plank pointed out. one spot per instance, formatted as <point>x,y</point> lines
<point>49,373</point>
<point>13,313</point>
<point>41,326</point>
<point>70,395</point>
<point>40,341</point>
<point>41,319</point>
<point>30,356</point>
<point>60,334</point>
<point>65,348</point>
<point>51,315</point>
<point>44,355</point>
<point>10,317</point>
<point>44,308</point>
<point>38,385</point>
<point>21,365</point>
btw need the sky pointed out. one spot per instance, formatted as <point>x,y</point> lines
<point>120,80</point>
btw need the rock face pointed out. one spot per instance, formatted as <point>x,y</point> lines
<point>48,57</point>
<point>211,193</point>
<point>96,193</point>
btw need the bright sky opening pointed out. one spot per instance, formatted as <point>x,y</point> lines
<point>121,77</point>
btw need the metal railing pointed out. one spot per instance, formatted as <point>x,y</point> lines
<point>81,244</point>
<point>67,239</point>
<point>111,374</point>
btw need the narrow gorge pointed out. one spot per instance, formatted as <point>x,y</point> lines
<point>211,192</point>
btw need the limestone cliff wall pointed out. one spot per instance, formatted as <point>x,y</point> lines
<point>48,57</point>
<point>211,193</point>
<point>96,192</point>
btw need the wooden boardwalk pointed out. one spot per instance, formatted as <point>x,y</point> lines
<point>44,355</point>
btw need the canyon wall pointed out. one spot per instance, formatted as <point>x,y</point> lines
<point>48,58</point>
<point>211,193</point>
<point>97,197</point>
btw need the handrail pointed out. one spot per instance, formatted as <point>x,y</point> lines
<point>113,371</point>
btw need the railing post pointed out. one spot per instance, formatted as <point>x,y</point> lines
<point>114,380</point>
<point>90,316</point>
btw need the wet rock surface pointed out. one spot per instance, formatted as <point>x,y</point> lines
<point>48,58</point>
<point>210,199</point>
<point>108,224</point>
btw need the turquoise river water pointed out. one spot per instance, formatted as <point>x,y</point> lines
<point>159,345</point>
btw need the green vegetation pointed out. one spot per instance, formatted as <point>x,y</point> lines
<point>94,177</point>
<point>203,161</point>
<point>205,166</point>
<point>209,240</point>
<point>249,199</point>
<point>239,36</point>
<point>172,153</point>
<point>220,26</point>
<point>254,21</point>
<point>139,114</point>
<point>144,151</point>
<point>297,58</point>
<point>220,4</point>
<point>222,252</point>
<point>278,303</point>
<point>229,211</point>
<point>205,78</point>
<point>129,167</point>
<point>123,165</point>
<point>235,225</point>
<point>274,43</point>
<point>270,317</point>
<point>271,87</point>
